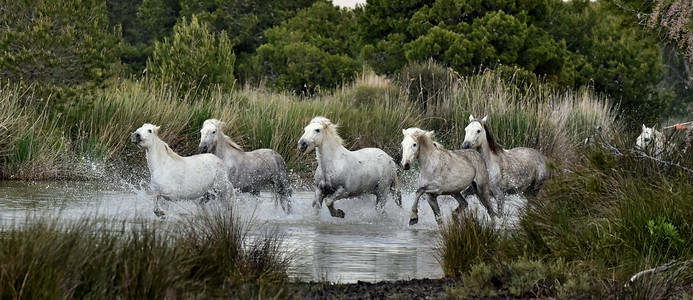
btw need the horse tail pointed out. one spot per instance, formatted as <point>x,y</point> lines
<point>281,183</point>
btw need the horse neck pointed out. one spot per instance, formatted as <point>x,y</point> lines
<point>427,151</point>
<point>225,150</point>
<point>490,157</point>
<point>330,151</point>
<point>159,154</point>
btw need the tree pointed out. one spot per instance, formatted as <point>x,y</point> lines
<point>60,45</point>
<point>194,57</point>
<point>313,49</point>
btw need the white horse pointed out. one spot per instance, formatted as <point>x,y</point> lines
<point>248,171</point>
<point>652,142</point>
<point>180,178</point>
<point>518,170</point>
<point>443,172</point>
<point>342,173</point>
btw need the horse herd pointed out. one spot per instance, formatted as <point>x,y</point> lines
<point>481,167</point>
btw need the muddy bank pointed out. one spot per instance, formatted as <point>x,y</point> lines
<point>402,289</point>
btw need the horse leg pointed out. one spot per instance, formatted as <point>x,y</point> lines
<point>431,188</point>
<point>395,191</point>
<point>414,217</point>
<point>317,202</point>
<point>281,187</point>
<point>338,194</point>
<point>157,210</point>
<point>433,202</point>
<point>462,203</point>
<point>500,199</point>
<point>483,192</point>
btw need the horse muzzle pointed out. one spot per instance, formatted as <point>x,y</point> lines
<point>302,146</point>
<point>466,145</point>
<point>406,166</point>
<point>136,138</point>
<point>203,148</point>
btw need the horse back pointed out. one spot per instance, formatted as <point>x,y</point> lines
<point>527,163</point>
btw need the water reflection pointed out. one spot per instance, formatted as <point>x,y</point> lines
<point>366,245</point>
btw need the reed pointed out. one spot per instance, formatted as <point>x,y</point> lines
<point>208,255</point>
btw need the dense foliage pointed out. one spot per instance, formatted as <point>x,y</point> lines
<point>307,46</point>
<point>195,57</point>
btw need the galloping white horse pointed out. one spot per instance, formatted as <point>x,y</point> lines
<point>342,173</point>
<point>443,172</point>
<point>652,142</point>
<point>248,171</point>
<point>518,170</point>
<point>180,178</point>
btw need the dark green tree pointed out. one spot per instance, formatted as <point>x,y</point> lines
<point>61,45</point>
<point>313,49</point>
<point>194,57</point>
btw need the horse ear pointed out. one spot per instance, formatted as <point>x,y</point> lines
<point>156,129</point>
<point>430,133</point>
<point>404,132</point>
<point>471,117</point>
<point>644,127</point>
<point>484,119</point>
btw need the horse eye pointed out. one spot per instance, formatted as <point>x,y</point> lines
<point>478,131</point>
<point>647,139</point>
<point>317,130</point>
<point>214,132</point>
<point>414,145</point>
<point>150,131</point>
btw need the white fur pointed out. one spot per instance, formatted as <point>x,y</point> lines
<point>443,172</point>
<point>248,171</point>
<point>342,173</point>
<point>652,142</point>
<point>180,178</point>
<point>518,170</point>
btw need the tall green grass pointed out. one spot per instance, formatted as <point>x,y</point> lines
<point>614,214</point>
<point>372,111</point>
<point>206,256</point>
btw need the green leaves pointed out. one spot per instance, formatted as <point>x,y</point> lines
<point>194,57</point>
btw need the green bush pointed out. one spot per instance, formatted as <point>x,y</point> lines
<point>427,84</point>
<point>194,57</point>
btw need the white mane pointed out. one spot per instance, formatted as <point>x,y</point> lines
<point>329,127</point>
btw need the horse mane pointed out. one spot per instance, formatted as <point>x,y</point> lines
<point>492,144</point>
<point>226,139</point>
<point>172,153</point>
<point>330,128</point>
<point>418,135</point>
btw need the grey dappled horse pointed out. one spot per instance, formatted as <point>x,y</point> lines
<point>248,171</point>
<point>444,172</point>
<point>518,170</point>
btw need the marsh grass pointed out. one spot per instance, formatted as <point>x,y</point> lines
<point>371,112</point>
<point>208,255</point>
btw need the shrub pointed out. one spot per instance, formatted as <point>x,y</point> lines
<point>194,57</point>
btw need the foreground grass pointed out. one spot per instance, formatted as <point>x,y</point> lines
<point>614,214</point>
<point>206,256</point>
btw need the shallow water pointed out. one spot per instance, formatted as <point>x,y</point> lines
<point>365,245</point>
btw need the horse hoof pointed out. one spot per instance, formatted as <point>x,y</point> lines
<point>339,214</point>
<point>413,221</point>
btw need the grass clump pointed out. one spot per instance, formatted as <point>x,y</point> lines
<point>209,255</point>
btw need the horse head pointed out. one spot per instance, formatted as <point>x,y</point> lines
<point>474,133</point>
<point>411,144</point>
<point>144,136</point>
<point>649,138</point>
<point>208,135</point>
<point>315,132</point>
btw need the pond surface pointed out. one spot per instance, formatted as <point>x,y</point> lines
<point>365,245</point>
